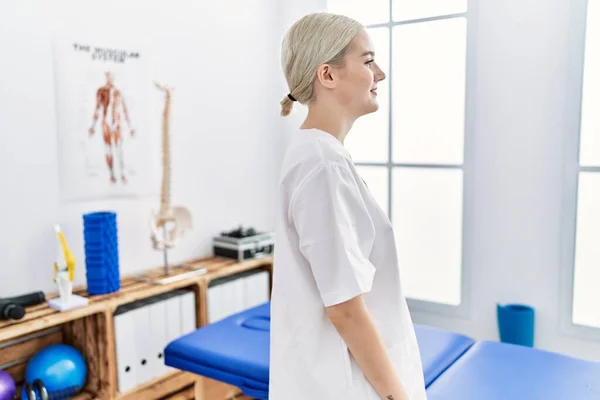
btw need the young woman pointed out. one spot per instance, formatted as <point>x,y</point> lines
<point>340,326</point>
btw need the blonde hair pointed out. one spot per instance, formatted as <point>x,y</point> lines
<point>315,39</point>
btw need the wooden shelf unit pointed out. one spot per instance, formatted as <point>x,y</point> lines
<point>90,329</point>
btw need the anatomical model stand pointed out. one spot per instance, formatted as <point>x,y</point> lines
<point>110,102</point>
<point>64,274</point>
<point>169,224</point>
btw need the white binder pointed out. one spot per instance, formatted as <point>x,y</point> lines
<point>233,294</point>
<point>158,338</point>
<point>257,289</point>
<point>188,312</point>
<point>172,323</point>
<point>142,331</point>
<point>125,337</point>
<point>143,344</point>
<point>263,289</point>
<point>228,298</point>
<point>213,298</point>
<point>238,295</point>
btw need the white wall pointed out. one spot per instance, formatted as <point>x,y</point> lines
<point>524,71</point>
<point>224,65</point>
<point>227,133</point>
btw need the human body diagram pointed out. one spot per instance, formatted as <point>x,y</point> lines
<point>110,104</point>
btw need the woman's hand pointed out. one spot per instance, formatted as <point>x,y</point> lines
<point>356,327</point>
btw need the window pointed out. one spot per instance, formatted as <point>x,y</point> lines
<point>410,152</point>
<point>586,263</point>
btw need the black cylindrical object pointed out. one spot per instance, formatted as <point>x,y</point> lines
<point>11,311</point>
<point>14,307</point>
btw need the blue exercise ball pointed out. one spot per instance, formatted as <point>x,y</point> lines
<point>8,389</point>
<point>60,367</point>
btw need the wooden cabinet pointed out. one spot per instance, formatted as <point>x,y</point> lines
<point>90,329</point>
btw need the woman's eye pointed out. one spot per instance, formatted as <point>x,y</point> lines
<point>369,62</point>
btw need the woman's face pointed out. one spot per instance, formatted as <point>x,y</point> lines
<point>358,79</point>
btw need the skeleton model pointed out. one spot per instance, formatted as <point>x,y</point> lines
<point>171,221</point>
<point>110,102</point>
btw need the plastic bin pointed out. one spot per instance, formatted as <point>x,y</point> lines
<point>516,324</point>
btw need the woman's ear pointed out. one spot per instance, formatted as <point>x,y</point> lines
<point>326,76</point>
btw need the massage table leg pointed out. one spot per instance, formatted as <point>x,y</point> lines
<point>199,390</point>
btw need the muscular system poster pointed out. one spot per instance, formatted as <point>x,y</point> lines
<point>106,131</point>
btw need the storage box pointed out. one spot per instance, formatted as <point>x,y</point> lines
<point>244,248</point>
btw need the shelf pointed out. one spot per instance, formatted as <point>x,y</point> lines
<point>85,396</point>
<point>42,316</point>
<point>185,394</point>
<point>161,387</point>
<point>90,329</point>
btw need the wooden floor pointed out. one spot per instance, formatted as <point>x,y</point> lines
<point>212,390</point>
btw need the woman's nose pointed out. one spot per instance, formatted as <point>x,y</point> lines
<point>379,74</point>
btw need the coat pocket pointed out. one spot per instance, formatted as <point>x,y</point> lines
<point>347,363</point>
<point>408,367</point>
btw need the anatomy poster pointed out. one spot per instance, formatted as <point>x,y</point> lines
<point>107,129</point>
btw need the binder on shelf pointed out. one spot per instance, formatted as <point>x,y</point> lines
<point>125,351</point>
<point>188,312</point>
<point>231,294</point>
<point>257,289</point>
<point>144,328</point>
<point>238,299</point>
<point>158,338</point>
<point>141,321</point>
<point>173,323</point>
<point>213,299</point>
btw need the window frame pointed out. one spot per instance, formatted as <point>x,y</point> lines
<point>468,227</point>
<point>572,170</point>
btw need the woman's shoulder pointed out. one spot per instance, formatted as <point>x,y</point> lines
<point>311,163</point>
<point>307,153</point>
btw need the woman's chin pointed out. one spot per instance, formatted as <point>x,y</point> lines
<point>373,106</point>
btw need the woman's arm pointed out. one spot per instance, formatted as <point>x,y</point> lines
<point>356,327</point>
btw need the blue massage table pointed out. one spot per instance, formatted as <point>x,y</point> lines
<point>501,371</point>
<point>235,350</point>
<point>439,350</point>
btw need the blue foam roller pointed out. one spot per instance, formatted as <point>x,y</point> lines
<point>99,216</point>
<point>101,252</point>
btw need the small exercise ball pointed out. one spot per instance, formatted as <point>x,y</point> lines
<point>8,389</point>
<point>60,367</point>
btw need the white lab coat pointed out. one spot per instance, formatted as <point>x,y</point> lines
<point>333,242</point>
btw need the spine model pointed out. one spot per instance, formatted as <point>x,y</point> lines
<point>171,221</point>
